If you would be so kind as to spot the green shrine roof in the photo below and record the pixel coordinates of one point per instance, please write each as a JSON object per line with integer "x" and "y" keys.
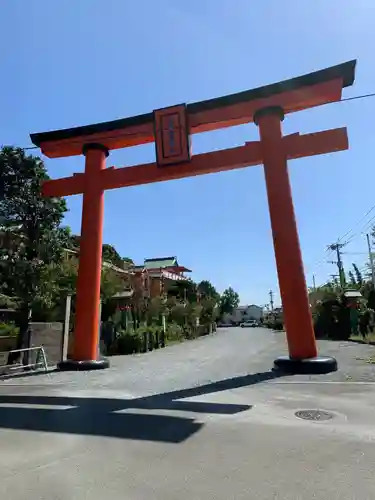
{"x": 159, "y": 262}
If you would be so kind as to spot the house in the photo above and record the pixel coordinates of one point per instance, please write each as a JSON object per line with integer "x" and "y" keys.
{"x": 244, "y": 313}
{"x": 126, "y": 275}
{"x": 157, "y": 275}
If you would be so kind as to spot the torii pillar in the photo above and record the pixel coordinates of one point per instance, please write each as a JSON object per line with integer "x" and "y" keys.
{"x": 292, "y": 284}
{"x": 90, "y": 260}
{"x": 170, "y": 129}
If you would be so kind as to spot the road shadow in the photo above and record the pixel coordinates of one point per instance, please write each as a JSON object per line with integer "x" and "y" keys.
{"x": 118, "y": 418}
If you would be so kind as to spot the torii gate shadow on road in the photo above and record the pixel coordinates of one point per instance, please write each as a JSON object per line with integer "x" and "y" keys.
{"x": 170, "y": 129}
{"x": 121, "y": 418}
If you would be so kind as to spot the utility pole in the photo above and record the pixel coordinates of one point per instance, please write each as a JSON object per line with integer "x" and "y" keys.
{"x": 271, "y": 299}
{"x": 337, "y": 248}
{"x": 371, "y": 260}
{"x": 314, "y": 284}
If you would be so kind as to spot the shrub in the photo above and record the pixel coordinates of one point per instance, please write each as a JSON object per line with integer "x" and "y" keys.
{"x": 203, "y": 330}
{"x": 149, "y": 337}
{"x": 144, "y": 338}
{"x": 174, "y": 332}
{"x": 8, "y": 330}
{"x": 127, "y": 342}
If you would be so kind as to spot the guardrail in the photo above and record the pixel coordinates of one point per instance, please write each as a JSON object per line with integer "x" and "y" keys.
{"x": 41, "y": 359}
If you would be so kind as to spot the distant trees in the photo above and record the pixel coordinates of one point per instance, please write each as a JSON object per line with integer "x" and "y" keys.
{"x": 110, "y": 254}
{"x": 355, "y": 277}
{"x": 229, "y": 301}
{"x": 185, "y": 290}
{"x": 206, "y": 289}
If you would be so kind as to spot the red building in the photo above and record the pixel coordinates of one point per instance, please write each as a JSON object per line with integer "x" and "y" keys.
{"x": 157, "y": 275}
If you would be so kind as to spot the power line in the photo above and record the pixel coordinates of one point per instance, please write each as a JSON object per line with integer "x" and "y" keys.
{"x": 354, "y": 253}
{"x": 346, "y": 99}
{"x": 320, "y": 262}
{"x": 354, "y": 98}
{"x": 362, "y": 230}
{"x": 358, "y": 222}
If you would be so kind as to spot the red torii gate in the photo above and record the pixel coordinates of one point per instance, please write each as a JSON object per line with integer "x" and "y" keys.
{"x": 170, "y": 129}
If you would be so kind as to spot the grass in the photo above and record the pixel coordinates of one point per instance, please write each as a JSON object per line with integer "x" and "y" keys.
{"x": 369, "y": 361}
{"x": 369, "y": 339}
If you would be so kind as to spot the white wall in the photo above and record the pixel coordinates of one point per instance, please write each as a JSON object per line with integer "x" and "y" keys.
{"x": 244, "y": 313}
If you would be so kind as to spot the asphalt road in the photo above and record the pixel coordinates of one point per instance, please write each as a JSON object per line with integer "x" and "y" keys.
{"x": 206, "y": 419}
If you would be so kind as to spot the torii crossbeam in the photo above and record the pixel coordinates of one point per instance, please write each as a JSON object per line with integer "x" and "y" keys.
{"x": 170, "y": 129}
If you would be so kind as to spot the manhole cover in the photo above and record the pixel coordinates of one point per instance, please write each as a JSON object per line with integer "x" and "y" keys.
{"x": 316, "y": 415}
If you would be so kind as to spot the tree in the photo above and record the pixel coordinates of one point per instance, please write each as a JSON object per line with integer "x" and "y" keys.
{"x": 209, "y": 311}
{"x": 207, "y": 290}
{"x": 356, "y": 279}
{"x": 7, "y": 302}
{"x": 352, "y": 280}
{"x": 110, "y": 254}
{"x": 33, "y": 222}
{"x": 185, "y": 290}
{"x": 179, "y": 313}
{"x": 157, "y": 307}
{"x": 358, "y": 275}
{"x": 127, "y": 262}
{"x": 74, "y": 242}
{"x": 229, "y": 301}
{"x": 111, "y": 283}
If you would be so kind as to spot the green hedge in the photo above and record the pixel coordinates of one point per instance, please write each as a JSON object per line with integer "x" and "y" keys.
{"x": 8, "y": 330}
{"x": 148, "y": 338}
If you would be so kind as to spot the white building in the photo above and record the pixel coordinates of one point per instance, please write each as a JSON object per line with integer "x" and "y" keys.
{"x": 244, "y": 313}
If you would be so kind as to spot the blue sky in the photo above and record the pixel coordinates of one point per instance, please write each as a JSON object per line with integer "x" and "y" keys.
{"x": 72, "y": 63}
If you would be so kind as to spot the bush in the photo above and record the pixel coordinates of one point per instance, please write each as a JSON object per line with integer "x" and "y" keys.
{"x": 147, "y": 338}
{"x": 151, "y": 336}
{"x": 174, "y": 332}
{"x": 8, "y": 330}
{"x": 142, "y": 339}
{"x": 127, "y": 343}
{"x": 278, "y": 325}
{"x": 203, "y": 330}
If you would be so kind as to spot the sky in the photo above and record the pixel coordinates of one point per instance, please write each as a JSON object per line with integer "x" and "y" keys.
{"x": 70, "y": 63}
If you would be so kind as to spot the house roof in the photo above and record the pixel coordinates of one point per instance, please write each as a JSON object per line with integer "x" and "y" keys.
{"x": 128, "y": 270}
{"x": 242, "y": 308}
{"x": 125, "y": 294}
{"x": 352, "y": 294}
{"x": 159, "y": 262}
{"x": 117, "y": 269}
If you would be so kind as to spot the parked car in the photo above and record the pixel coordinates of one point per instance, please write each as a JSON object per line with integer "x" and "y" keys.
{"x": 252, "y": 323}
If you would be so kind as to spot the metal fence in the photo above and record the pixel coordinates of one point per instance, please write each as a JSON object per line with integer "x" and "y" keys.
{"x": 37, "y": 360}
